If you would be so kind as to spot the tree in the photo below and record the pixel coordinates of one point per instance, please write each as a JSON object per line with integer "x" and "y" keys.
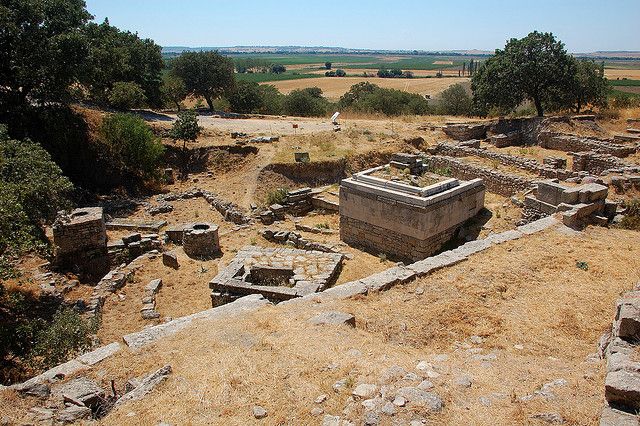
{"x": 589, "y": 86}
{"x": 116, "y": 56}
{"x": 278, "y": 69}
{"x": 126, "y": 95}
{"x": 455, "y": 101}
{"x": 186, "y": 128}
{"x": 246, "y": 97}
{"x": 205, "y": 74}
{"x": 133, "y": 142}
{"x": 340, "y": 73}
{"x": 41, "y": 50}
{"x": 173, "y": 90}
{"x": 272, "y": 100}
{"x": 327, "y": 65}
{"x": 536, "y": 67}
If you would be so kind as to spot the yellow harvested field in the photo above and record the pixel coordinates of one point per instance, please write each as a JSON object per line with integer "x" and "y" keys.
{"x": 621, "y": 73}
{"x": 334, "y": 87}
{"x": 443, "y": 63}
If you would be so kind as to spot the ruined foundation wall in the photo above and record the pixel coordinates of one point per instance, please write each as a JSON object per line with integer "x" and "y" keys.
{"x": 569, "y": 143}
{"x": 497, "y": 182}
{"x": 596, "y": 163}
{"x": 397, "y": 228}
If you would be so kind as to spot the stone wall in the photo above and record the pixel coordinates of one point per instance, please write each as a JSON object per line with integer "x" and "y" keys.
{"x": 571, "y": 143}
{"x": 465, "y": 131}
{"x": 230, "y": 211}
{"x": 80, "y": 242}
{"x": 527, "y": 164}
{"x": 504, "y": 184}
{"x": 598, "y": 163}
{"x": 383, "y": 219}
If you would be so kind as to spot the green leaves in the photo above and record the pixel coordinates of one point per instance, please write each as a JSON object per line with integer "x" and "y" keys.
{"x": 186, "y": 126}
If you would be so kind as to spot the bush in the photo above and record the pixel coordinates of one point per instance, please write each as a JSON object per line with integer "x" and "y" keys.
{"x": 277, "y": 196}
{"x": 632, "y": 219}
{"x": 455, "y": 101}
{"x": 65, "y": 337}
{"x": 367, "y": 97}
{"x": 306, "y": 103}
{"x": 133, "y": 142}
{"x": 340, "y": 73}
{"x": 126, "y": 95}
{"x": 272, "y": 100}
{"x": 32, "y": 190}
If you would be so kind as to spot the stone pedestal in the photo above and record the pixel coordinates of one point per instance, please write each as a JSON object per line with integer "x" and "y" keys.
{"x": 201, "y": 240}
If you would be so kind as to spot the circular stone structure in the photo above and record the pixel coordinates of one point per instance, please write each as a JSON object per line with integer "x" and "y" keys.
{"x": 201, "y": 240}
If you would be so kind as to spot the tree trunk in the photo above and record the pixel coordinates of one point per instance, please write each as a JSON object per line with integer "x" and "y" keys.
{"x": 538, "y": 105}
{"x": 209, "y": 102}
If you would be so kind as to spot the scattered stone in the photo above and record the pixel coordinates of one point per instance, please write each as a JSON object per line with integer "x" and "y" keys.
{"x": 364, "y": 391}
{"x": 553, "y": 418}
{"x": 419, "y": 291}
{"x": 170, "y": 259}
{"x": 39, "y": 390}
{"x": 329, "y": 420}
{"x": 463, "y": 381}
{"x": 321, "y": 398}
{"x": 399, "y": 401}
{"x": 339, "y": 385}
{"x": 334, "y": 318}
{"x": 389, "y": 409}
{"x": 392, "y": 373}
{"x": 418, "y": 397}
{"x": 83, "y": 390}
{"x": 425, "y": 385}
{"x": 259, "y": 412}
{"x": 316, "y": 411}
{"x": 485, "y": 401}
{"x": 146, "y": 385}
{"x": 371, "y": 418}
{"x": 518, "y": 347}
{"x": 476, "y": 340}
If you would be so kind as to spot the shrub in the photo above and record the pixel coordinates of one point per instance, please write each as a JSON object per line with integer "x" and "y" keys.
{"x": 126, "y": 95}
{"x": 272, "y": 100}
{"x": 455, "y": 101}
{"x": 65, "y": 337}
{"x": 32, "y": 190}
{"x": 278, "y": 69}
{"x": 340, "y": 73}
{"x": 306, "y": 103}
{"x": 632, "y": 219}
{"x": 277, "y": 196}
{"x": 368, "y": 97}
{"x": 186, "y": 127}
{"x": 133, "y": 142}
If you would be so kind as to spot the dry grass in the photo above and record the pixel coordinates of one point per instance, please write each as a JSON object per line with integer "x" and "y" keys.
{"x": 614, "y": 74}
{"x": 519, "y": 293}
{"x": 333, "y": 88}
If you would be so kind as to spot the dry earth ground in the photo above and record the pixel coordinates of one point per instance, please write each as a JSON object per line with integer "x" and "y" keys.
{"x": 535, "y": 310}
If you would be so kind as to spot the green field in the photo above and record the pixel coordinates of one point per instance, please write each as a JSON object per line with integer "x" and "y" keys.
{"x": 624, "y": 82}
{"x": 300, "y": 59}
{"x": 264, "y": 77}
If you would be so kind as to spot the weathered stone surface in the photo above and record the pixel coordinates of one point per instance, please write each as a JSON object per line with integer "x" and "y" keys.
{"x": 97, "y": 355}
{"x": 201, "y": 240}
{"x": 627, "y": 323}
{"x": 364, "y": 391}
{"x": 334, "y": 318}
{"x": 622, "y": 388}
{"x": 170, "y": 259}
{"x": 83, "y": 390}
{"x": 552, "y": 418}
{"x": 59, "y": 371}
{"x": 259, "y": 412}
{"x": 40, "y": 390}
{"x": 73, "y": 413}
{"x": 613, "y": 417}
{"x": 421, "y": 398}
{"x": 147, "y": 384}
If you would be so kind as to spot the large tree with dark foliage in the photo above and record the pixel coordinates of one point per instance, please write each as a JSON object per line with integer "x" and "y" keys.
{"x": 206, "y": 74}
{"x": 536, "y": 68}
{"x": 42, "y": 49}
{"x": 121, "y": 56}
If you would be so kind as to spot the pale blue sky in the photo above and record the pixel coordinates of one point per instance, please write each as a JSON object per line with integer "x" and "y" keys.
{"x": 583, "y": 25}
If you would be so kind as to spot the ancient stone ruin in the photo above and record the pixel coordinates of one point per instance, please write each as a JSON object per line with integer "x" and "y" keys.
{"x": 277, "y": 274}
{"x": 80, "y": 242}
{"x": 200, "y": 240}
{"x": 580, "y": 205}
{"x": 409, "y": 216}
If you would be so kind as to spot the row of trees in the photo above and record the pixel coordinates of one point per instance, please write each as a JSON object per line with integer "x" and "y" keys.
{"x": 394, "y": 73}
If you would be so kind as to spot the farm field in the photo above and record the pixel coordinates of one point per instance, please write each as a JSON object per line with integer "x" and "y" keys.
{"x": 334, "y": 87}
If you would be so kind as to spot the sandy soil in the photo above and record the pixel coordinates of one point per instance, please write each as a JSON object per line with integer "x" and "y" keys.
{"x": 333, "y": 88}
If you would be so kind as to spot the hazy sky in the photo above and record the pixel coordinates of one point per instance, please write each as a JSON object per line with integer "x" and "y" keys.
{"x": 583, "y": 25}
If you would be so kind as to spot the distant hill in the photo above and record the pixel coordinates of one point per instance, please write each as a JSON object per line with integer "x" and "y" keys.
{"x": 172, "y": 50}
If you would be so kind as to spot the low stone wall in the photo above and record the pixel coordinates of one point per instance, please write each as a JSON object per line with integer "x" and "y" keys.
{"x": 619, "y": 346}
{"x": 571, "y": 143}
{"x": 295, "y": 240}
{"x": 597, "y": 163}
{"x": 230, "y": 211}
{"x": 504, "y": 184}
{"x": 529, "y": 165}
{"x": 465, "y": 131}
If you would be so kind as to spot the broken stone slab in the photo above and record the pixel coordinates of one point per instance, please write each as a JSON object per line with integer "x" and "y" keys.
{"x": 627, "y": 322}
{"x": 84, "y": 390}
{"x": 432, "y": 264}
{"x": 97, "y": 355}
{"x": 538, "y": 225}
{"x": 421, "y": 398}
{"x": 622, "y": 388}
{"x": 73, "y": 413}
{"x": 364, "y": 391}
{"x": 154, "y": 286}
{"x": 146, "y": 385}
{"x": 170, "y": 259}
{"x": 149, "y": 335}
{"x": 552, "y": 418}
{"x": 622, "y": 361}
{"x": 57, "y": 372}
{"x": 387, "y": 279}
{"x": 613, "y": 417}
{"x": 334, "y": 318}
